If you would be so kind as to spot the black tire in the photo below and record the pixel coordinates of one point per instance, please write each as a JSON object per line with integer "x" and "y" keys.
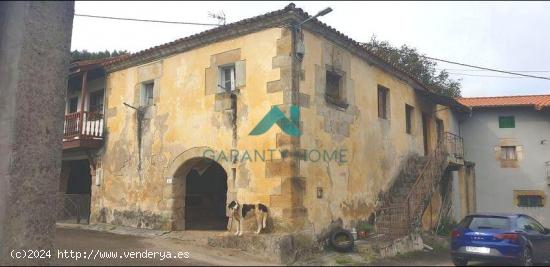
{"x": 526, "y": 257}
{"x": 460, "y": 262}
{"x": 341, "y": 240}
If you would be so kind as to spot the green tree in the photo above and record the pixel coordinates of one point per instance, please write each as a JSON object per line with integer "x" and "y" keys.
{"x": 77, "y": 55}
{"x": 416, "y": 64}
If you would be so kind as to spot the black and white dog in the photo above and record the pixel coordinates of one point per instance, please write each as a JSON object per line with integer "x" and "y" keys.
{"x": 239, "y": 213}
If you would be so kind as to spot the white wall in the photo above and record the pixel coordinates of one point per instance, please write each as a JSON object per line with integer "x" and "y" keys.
{"x": 495, "y": 185}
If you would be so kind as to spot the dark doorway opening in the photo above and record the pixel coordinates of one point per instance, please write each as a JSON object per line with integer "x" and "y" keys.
{"x": 205, "y": 197}
{"x": 76, "y": 188}
{"x": 80, "y": 180}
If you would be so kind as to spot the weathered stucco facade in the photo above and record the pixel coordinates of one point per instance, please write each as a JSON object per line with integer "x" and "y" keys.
{"x": 188, "y": 118}
{"x": 140, "y": 173}
{"x": 376, "y": 147}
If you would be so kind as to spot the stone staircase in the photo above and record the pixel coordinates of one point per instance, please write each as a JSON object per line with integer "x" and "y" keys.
{"x": 400, "y": 208}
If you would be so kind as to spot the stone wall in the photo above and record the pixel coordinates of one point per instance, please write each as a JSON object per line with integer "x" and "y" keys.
{"x": 34, "y": 58}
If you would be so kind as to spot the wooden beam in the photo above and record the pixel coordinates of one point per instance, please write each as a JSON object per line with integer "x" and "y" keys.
{"x": 83, "y": 92}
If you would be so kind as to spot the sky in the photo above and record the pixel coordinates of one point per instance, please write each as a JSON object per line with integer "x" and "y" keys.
{"x": 512, "y": 36}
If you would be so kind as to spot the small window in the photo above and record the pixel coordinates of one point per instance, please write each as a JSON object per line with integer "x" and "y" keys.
{"x": 333, "y": 85}
{"x": 506, "y": 122}
{"x": 227, "y": 77}
{"x": 531, "y": 201}
{"x": 488, "y": 222}
{"x": 147, "y": 94}
{"x": 440, "y": 128}
{"x": 409, "y": 111}
{"x": 383, "y": 102}
{"x": 72, "y": 105}
{"x": 508, "y": 153}
{"x": 96, "y": 101}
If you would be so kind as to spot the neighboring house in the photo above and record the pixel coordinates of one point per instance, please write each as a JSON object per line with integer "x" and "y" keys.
{"x": 179, "y": 116}
{"x": 509, "y": 139}
{"x": 83, "y": 136}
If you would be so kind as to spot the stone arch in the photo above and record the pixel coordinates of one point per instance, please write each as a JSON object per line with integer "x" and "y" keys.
{"x": 177, "y": 173}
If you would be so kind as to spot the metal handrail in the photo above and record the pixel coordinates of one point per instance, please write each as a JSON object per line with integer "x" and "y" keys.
{"x": 400, "y": 217}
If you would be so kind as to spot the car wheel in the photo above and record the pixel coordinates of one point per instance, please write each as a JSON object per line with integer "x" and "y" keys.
{"x": 526, "y": 257}
{"x": 342, "y": 240}
{"x": 460, "y": 262}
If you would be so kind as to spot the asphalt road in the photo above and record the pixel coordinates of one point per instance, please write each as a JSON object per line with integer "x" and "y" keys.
{"x": 427, "y": 258}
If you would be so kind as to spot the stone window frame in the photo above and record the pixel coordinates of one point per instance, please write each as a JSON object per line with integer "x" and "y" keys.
{"x": 509, "y": 142}
{"x": 529, "y": 193}
{"x": 341, "y": 101}
{"x": 220, "y": 60}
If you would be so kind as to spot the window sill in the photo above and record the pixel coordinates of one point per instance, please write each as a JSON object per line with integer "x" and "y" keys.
{"x": 338, "y": 103}
{"x": 236, "y": 91}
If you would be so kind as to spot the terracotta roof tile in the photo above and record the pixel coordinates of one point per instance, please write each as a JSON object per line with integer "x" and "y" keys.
{"x": 99, "y": 61}
{"x": 537, "y": 101}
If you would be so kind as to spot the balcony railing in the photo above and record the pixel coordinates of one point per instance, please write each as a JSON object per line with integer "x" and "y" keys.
{"x": 85, "y": 125}
{"x": 455, "y": 147}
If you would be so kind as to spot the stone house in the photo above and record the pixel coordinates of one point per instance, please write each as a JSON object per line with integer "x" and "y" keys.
{"x": 509, "y": 138}
{"x": 178, "y": 138}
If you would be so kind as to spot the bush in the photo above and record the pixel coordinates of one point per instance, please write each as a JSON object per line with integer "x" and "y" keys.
{"x": 446, "y": 225}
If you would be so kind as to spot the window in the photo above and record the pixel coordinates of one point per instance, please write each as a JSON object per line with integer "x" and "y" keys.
{"x": 96, "y": 101}
{"x": 506, "y": 122}
{"x": 487, "y": 222}
{"x": 529, "y": 224}
{"x": 147, "y": 93}
{"x": 530, "y": 201}
{"x": 508, "y": 153}
{"x": 72, "y": 105}
{"x": 383, "y": 102}
{"x": 408, "y": 118}
{"x": 227, "y": 77}
{"x": 333, "y": 84}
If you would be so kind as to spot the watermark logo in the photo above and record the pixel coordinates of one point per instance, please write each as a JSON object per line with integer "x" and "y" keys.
{"x": 276, "y": 116}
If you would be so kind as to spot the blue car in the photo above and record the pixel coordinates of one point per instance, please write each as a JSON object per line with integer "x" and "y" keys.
{"x": 509, "y": 238}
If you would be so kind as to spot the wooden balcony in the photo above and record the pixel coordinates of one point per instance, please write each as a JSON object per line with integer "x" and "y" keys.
{"x": 83, "y": 130}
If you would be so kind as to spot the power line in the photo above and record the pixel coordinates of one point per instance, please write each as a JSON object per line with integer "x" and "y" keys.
{"x": 148, "y": 20}
{"x": 535, "y": 71}
{"x": 484, "y": 68}
{"x": 490, "y": 76}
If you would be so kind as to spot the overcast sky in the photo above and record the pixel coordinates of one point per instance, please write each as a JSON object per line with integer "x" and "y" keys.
{"x": 512, "y": 36}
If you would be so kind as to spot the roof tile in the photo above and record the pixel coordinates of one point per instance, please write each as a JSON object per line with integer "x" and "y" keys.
{"x": 537, "y": 101}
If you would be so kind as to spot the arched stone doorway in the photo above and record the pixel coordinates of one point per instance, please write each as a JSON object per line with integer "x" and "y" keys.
{"x": 200, "y": 195}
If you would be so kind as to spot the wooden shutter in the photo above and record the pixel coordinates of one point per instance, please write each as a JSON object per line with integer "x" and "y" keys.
{"x": 240, "y": 74}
